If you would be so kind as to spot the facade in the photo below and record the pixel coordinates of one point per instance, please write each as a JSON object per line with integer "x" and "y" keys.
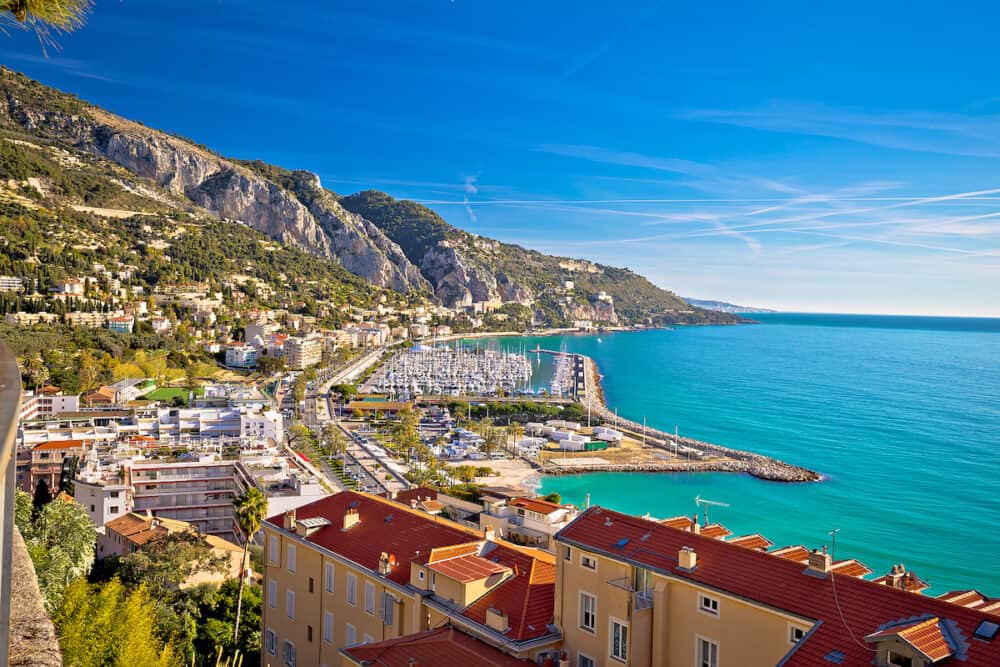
{"x": 529, "y": 521}
{"x": 123, "y": 324}
{"x": 47, "y": 462}
{"x": 642, "y": 593}
{"x": 11, "y": 284}
{"x": 104, "y": 500}
{"x": 241, "y": 356}
{"x": 200, "y": 493}
{"x": 355, "y": 569}
{"x": 302, "y": 353}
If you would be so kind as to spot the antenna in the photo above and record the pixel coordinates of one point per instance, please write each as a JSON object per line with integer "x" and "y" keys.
{"x": 833, "y": 543}
{"x": 703, "y": 503}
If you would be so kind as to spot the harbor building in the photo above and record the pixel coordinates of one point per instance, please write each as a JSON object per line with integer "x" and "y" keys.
{"x": 643, "y": 593}
{"x": 355, "y": 569}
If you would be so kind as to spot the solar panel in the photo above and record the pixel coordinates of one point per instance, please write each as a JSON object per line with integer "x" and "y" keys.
{"x": 836, "y": 657}
{"x": 986, "y": 631}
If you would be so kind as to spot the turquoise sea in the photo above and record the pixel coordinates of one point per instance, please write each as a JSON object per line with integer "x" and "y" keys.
{"x": 900, "y": 414}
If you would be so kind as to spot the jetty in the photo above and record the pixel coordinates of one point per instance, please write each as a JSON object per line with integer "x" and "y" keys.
{"x": 703, "y": 456}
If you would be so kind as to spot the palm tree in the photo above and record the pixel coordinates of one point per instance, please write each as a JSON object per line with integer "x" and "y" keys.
{"x": 44, "y": 16}
{"x": 251, "y": 509}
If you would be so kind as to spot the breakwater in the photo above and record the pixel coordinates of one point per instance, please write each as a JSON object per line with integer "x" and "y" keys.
{"x": 728, "y": 459}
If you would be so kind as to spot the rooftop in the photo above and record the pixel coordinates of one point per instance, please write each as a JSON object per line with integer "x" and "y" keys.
{"x": 781, "y": 583}
{"x": 536, "y": 505}
{"x": 442, "y": 647}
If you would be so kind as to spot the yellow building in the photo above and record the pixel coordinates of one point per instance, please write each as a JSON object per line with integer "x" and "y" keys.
{"x": 353, "y": 569}
{"x": 643, "y": 593}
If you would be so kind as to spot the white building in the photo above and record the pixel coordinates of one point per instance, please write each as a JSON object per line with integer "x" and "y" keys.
{"x": 302, "y": 353}
{"x": 241, "y": 356}
{"x": 102, "y": 500}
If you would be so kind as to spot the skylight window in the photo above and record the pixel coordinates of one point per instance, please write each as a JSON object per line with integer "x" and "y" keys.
{"x": 986, "y": 631}
{"x": 620, "y": 544}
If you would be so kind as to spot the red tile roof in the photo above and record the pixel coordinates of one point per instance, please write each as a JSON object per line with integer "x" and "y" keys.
{"x": 755, "y": 541}
{"x": 867, "y": 607}
{"x": 536, "y": 505}
{"x": 443, "y": 647}
{"x": 417, "y": 494}
{"x": 851, "y": 568}
{"x": 467, "y": 568}
{"x": 972, "y": 599}
{"x": 716, "y": 530}
{"x": 528, "y": 597}
{"x": 925, "y": 636}
{"x": 57, "y": 445}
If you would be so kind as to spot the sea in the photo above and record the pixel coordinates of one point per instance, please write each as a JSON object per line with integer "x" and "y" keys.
{"x": 901, "y": 416}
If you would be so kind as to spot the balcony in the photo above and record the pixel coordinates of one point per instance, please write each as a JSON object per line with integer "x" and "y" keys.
{"x": 26, "y": 633}
{"x": 638, "y": 600}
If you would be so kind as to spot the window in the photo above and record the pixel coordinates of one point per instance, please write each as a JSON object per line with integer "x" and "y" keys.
{"x": 328, "y": 578}
{"x": 588, "y": 612}
{"x": 352, "y": 589}
{"x": 92, "y": 508}
{"x": 290, "y": 604}
{"x": 327, "y": 627}
{"x": 588, "y": 562}
{"x": 388, "y": 609}
{"x": 619, "y": 640}
{"x": 291, "y": 558}
{"x": 350, "y": 635}
{"x": 585, "y": 660}
{"x": 271, "y": 642}
{"x": 309, "y": 633}
{"x": 310, "y": 584}
{"x": 369, "y": 598}
{"x": 708, "y": 653}
{"x": 114, "y": 509}
{"x": 897, "y": 660}
{"x": 708, "y": 605}
{"x": 795, "y": 634}
{"x": 272, "y": 594}
{"x": 273, "y": 543}
{"x": 288, "y": 654}
{"x": 568, "y": 555}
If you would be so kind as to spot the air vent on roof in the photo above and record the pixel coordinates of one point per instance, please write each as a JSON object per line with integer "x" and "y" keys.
{"x": 607, "y": 522}
{"x": 353, "y": 504}
{"x": 645, "y": 537}
{"x": 986, "y": 631}
{"x": 620, "y": 544}
{"x": 836, "y": 657}
{"x": 388, "y": 518}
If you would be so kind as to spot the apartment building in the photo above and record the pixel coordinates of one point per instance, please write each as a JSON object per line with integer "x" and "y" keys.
{"x": 241, "y": 356}
{"x": 47, "y": 463}
{"x": 641, "y": 593}
{"x": 103, "y": 498}
{"x": 355, "y": 569}
{"x": 302, "y": 353}
{"x": 529, "y": 521}
{"x": 199, "y": 492}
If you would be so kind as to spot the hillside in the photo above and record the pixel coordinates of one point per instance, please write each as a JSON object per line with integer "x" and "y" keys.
{"x": 396, "y": 245}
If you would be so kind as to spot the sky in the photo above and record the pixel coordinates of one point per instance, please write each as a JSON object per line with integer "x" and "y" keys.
{"x": 841, "y": 158}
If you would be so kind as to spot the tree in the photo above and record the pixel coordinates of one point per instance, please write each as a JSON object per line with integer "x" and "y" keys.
{"x": 553, "y": 497}
{"x": 88, "y": 371}
{"x": 42, "y": 496}
{"x": 165, "y": 564}
{"x": 60, "y": 540}
{"x": 251, "y": 510}
{"x": 105, "y": 625}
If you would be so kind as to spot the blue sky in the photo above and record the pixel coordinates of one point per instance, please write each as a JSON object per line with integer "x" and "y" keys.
{"x": 826, "y": 159}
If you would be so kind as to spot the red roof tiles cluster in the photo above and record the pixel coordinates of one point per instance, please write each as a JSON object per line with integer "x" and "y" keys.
{"x": 527, "y": 596}
{"x": 925, "y": 636}
{"x": 443, "y": 647}
{"x": 867, "y": 607}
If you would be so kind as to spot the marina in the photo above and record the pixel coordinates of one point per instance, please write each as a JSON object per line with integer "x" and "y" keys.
{"x": 453, "y": 372}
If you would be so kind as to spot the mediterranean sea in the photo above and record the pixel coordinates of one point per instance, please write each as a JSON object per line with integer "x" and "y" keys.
{"x": 900, "y": 414}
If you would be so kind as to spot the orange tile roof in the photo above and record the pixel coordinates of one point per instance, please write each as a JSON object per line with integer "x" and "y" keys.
{"x": 418, "y": 494}
{"x": 851, "y": 568}
{"x": 468, "y": 568}
{"x": 755, "y": 541}
{"x": 536, "y": 505}
{"x": 925, "y": 636}
{"x": 716, "y": 530}
{"x": 681, "y": 522}
{"x": 972, "y": 599}
{"x": 56, "y": 445}
{"x": 797, "y": 553}
{"x": 411, "y": 535}
{"x": 443, "y": 647}
{"x": 782, "y": 584}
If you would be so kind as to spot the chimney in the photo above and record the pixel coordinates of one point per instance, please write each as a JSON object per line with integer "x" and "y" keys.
{"x": 496, "y": 619}
{"x": 687, "y": 559}
{"x": 820, "y": 562}
{"x": 289, "y": 522}
{"x": 695, "y": 528}
{"x": 351, "y": 517}
{"x": 490, "y": 534}
{"x": 149, "y": 513}
{"x": 587, "y": 502}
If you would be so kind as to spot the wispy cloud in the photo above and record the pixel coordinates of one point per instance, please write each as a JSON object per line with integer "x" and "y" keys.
{"x": 924, "y": 131}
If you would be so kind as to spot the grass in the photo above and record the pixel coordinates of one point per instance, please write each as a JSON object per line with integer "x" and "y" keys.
{"x": 167, "y": 394}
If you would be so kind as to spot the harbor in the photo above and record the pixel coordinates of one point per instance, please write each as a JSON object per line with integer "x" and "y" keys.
{"x": 447, "y": 371}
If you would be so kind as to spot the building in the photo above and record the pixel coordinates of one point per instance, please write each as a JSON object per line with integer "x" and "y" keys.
{"x": 47, "y": 462}
{"x": 356, "y": 569}
{"x": 104, "y": 499}
{"x": 130, "y": 389}
{"x": 198, "y": 492}
{"x": 643, "y": 593}
{"x": 132, "y": 532}
{"x": 302, "y": 353}
{"x": 92, "y": 319}
{"x": 241, "y": 356}
{"x": 121, "y": 324}
{"x": 11, "y": 284}
{"x": 529, "y": 521}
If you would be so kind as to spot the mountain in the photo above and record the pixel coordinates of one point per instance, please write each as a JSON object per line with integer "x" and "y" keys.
{"x": 723, "y": 307}
{"x": 396, "y": 245}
